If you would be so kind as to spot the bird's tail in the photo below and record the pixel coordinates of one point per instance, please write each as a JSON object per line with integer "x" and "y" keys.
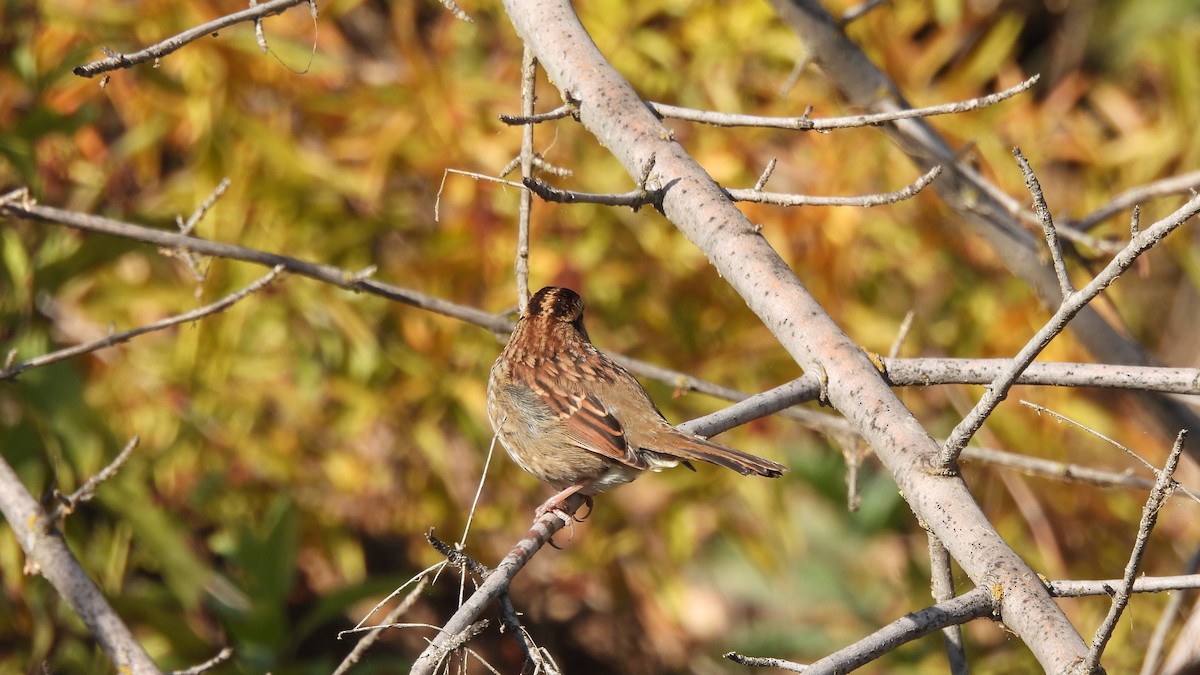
{"x": 687, "y": 446}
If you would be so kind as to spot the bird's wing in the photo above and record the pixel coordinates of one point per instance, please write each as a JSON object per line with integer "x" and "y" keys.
{"x": 589, "y": 422}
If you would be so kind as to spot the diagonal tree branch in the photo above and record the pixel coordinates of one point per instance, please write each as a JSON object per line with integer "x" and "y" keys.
{"x": 621, "y": 122}
{"x": 48, "y": 554}
{"x": 992, "y": 215}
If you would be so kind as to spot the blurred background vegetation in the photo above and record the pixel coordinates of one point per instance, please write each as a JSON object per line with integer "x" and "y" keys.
{"x": 296, "y": 448}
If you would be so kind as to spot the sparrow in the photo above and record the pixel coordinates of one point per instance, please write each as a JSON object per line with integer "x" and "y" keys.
{"x": 575, "y": 419}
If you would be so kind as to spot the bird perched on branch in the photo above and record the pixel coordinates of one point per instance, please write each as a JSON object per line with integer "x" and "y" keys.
{"x": 572, "y": 417}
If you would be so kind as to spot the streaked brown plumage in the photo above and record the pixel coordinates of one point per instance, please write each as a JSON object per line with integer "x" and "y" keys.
{"x": 572, "y": 417}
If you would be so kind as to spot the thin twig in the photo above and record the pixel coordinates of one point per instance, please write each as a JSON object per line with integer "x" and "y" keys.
{"x": 222, "y": 656}
{"x": 1158, "y": 640}
{"x": 865, "y": 201}
{"x": 415, "y": 579}
{"x": 805, "y": 123}
{"x": 67, "y": 504}
{"x": 942, "y": 585}
{"x": 189, "y": 226}
{"x": 766, "y": 175}
{"x": 117, "y": 338}
{"x": 972, "y": 605}
{"x": 1070, "y": 306}
{"x": 1126, "y": 449}
{"x": 1158, "y": 497}
{"x": 456, "y": 11}
{"x": 564, "y": 110}
{"x": 116, "y": 61}
{"x": 1047, "y": 221}
{"x": 638, "y": 198}
{"x": 377, "y": 631}
{"x": 859, "y": 11}
{"x": 353, "y": 281}
{"x": 525, "y": 203}
{"x": 901, "y": 334}
{"x": 1139, "y": 195}
{"x": 491, "y": 588}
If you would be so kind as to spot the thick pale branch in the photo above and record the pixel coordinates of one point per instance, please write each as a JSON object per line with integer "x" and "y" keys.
{"x": 611, "y": 110}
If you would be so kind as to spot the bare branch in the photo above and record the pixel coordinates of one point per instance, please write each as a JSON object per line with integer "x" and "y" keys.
{"x": 222, "y": 656}
{"x": 1141, "y": 194}
{"x": 1079, "y": 589}
{"x": 496, "y": 583}
{"x": 1158, "y": 498}
{"x": 116, "y": 61}
{"x": 525, "y": 205}
{"x": 922, "y": 372}
{"x": 805, "y": 123}
{"x": 865, "y": 201}
{"x": 49, "y": 555}
{"x": 639, "y": 198}
{"x": 1047, "y": 221}
{"x": 221, "y": 305}
{"x": 327, "y": 273}
{"x": 973, "y": 605}
{"x": 942, "y": 584}
{"x": 377, "y": 631}
{"x": 87, "y": 491}
{"x": 1071, "y": 306}
{"x": 967, "y": 607}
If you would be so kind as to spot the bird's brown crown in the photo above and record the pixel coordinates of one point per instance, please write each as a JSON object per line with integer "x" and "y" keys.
{"x": 557, "y": 304}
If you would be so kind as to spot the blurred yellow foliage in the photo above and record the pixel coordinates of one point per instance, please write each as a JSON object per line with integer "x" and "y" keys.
{"x": 296, "y": 448}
